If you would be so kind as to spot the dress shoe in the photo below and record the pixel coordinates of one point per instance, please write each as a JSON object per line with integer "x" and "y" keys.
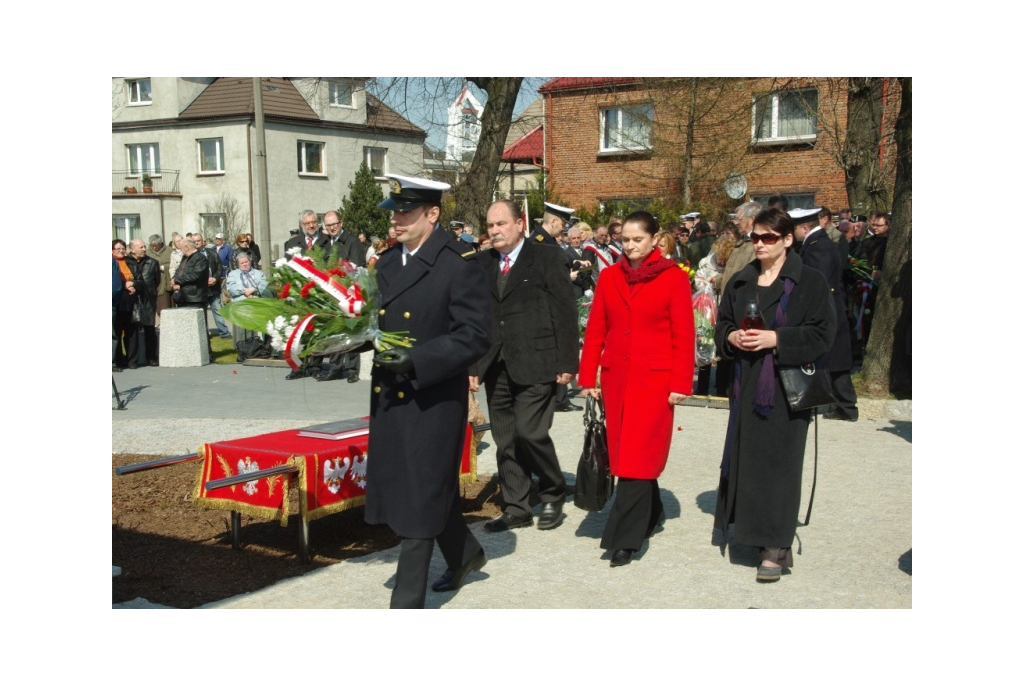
{"x": 621, "y": 557}
{"x": 153, "y": 362}
{"x": 768, "y": 574}
{"x": 569, "y": 406}
{"x": 837, "y": 416}
{"x": 550, "y": 515}
{"x": 294, "y": 375}
{"x": 116, "y": 368}
{"x": 133, "y": 365}
{"x": 452, "y": 580}
{"x": 507, "y": 522}
{"x": 353, "y": 379}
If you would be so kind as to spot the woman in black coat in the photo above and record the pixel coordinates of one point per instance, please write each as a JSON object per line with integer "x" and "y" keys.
{"x": 762, "y": 464}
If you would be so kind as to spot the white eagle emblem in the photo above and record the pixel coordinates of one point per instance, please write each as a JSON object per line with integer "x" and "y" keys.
{"x": 334, "y": 473}
{"x": 359, "y": 471}
{"x": 248, "y": 466}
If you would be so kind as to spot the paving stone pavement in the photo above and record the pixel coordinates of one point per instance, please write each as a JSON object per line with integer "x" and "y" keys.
{"x": 856, "y": 552}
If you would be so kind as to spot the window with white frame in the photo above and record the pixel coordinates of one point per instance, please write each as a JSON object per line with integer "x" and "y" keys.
{"x": 311, "y": 157}
{"x": 795, "y": 200}
{"x": 212, "y": 224}
{"x": 127, "y": 227}
{"x": 785, "y": 116}
{"x": 339, "y": 93}
{"x": 376, "y": 160}
{"x": 143, "y": 158}
{"x": 139, "y": 92}
{"x": 211, "y": 155}
{"x": 627, "y": 127}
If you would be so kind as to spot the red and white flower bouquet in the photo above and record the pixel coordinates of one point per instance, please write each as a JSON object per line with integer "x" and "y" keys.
{"x": 321, "y": 308}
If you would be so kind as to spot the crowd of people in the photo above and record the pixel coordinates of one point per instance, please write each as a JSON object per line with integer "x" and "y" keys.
{"x": 498, "y": 309}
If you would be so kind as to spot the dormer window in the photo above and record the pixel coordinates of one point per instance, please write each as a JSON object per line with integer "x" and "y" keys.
{"x": 339, "y": 94}
{"x": 139, "y": 92}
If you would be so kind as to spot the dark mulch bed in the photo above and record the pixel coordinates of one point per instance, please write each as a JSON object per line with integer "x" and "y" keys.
{"x": 173, "y": 553}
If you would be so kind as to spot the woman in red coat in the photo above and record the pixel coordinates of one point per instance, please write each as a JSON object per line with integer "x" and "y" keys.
{"x": 640, "y": 331}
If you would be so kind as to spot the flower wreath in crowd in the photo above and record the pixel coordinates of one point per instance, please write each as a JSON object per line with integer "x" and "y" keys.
{"x": 323, "y": 306}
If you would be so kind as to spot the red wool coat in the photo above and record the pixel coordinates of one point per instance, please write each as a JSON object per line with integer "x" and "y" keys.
{"x": 643, "y": 337}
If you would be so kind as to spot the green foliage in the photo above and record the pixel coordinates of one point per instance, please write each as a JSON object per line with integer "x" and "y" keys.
{"x": 540, "y": 192}
{"x": 359, "y": 208}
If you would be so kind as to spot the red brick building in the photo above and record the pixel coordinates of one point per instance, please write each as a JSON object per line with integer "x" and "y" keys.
{"x": 678, "y": 140}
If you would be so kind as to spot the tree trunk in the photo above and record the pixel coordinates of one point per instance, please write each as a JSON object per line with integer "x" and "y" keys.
{"x": 863, "y": 138}
{"x": 691, "y": 115}
{"x": 887, "y": 365}
{"x": 473, "y": 195}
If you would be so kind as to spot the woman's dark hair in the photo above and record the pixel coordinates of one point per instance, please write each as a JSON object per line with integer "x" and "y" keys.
{"x": 646, "y": 220}
{"x": 114, "y": 243}
{"x": 775, "y": 220}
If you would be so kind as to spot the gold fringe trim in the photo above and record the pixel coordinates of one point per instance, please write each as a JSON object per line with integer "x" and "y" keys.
{"x": 335, "y": 508}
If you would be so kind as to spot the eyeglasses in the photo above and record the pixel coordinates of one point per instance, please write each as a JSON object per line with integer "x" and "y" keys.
{"x": 879, "y": 225}
{"x": 766, "y": 238}
{"x": 332, "y": 225}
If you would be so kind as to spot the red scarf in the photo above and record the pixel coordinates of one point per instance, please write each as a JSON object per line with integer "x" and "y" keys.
{"x": 649, "y": 269}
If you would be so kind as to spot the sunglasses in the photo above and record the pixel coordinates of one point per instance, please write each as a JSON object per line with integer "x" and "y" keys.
{"x": 766, "y": 238}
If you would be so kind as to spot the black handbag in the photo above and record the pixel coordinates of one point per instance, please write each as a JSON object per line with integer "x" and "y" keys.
{"x": 594, "y": 480}
{"x": 807, "y": 386}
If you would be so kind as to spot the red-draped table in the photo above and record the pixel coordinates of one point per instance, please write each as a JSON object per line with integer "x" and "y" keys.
{"x": 331, "y": 476}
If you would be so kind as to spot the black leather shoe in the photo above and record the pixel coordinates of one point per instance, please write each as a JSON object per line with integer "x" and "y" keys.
{"x": 837, "y": 416}
{"x": 507, "y": 522}
{"x": 452, "y": 580}
{"x": 569, "y": 406}
{"x": 153, "y": 362}
{"x": 550, "y": 516}
{"x": 353, "y": 379}
{"x": 294, "y": 375}
{"x": 621, "y": 557}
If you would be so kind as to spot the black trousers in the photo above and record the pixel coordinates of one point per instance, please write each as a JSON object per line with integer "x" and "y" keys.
{"x": 521, "y": 418}
{"x": 126, "y": 330}
{"x": 844, "y": 395}
{"x": 457, "y": 545}
{"x": 636, "y": 512}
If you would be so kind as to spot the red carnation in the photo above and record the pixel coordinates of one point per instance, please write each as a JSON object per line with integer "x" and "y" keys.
{"x": 306, "y": 288}
{"x": 285, "y": 290}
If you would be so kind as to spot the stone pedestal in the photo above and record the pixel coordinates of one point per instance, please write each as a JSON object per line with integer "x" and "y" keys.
{"x": 183, "y": 340}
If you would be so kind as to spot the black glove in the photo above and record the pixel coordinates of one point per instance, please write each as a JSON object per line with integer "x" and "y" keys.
{"x": 397, "y": 360}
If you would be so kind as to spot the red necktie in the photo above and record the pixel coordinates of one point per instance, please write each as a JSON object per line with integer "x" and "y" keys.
{"x": 506, "y": 264}
{"x": 309, "y": 242}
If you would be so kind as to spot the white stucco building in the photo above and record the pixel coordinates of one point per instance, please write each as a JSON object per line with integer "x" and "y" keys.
{"x": 193, "y": 137}
{"x": 463, "y": 127}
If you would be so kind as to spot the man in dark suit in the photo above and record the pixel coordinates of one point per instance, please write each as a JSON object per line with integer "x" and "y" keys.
{"x": 419, "y": 402}
{"x": 819, "y": 252}
{"x": 310, "y": 232}
{"x": 534, "y": 347}
{"x": 337, "y": 245}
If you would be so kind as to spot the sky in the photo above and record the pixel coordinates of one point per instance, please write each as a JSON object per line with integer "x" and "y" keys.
{"x": 424, "y": 100}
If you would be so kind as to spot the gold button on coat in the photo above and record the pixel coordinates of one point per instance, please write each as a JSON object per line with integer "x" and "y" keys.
{"x": 406, "y": 315}
{"x": 376, "y": 388}
{"x": 381, "y": 312}
{"x": 401, "y": 395}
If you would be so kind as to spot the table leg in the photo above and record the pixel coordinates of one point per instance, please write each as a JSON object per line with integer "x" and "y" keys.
{"x": 304, "y": 554}
{"x": 236, "y": 528}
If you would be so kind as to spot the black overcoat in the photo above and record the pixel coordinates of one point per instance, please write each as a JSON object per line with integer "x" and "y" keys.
{"x": 761, "y": 492}
{"x": 418, "y": 420}
{"x": 535, "y": 323}
{"x": 820, "y": 253}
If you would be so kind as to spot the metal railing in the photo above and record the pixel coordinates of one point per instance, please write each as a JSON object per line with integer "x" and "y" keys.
{"x": 130, "y": 182}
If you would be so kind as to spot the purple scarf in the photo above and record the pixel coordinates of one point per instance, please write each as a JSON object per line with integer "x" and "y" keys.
{"x": 765, "y": 393}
